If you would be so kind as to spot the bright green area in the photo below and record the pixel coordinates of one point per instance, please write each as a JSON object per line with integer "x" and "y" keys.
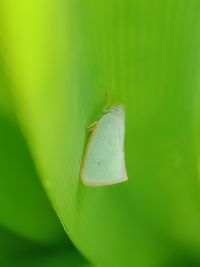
{"x": 68, "y": 59}
{"x": 30, "y": 232}
{"x": 24, "y": 207}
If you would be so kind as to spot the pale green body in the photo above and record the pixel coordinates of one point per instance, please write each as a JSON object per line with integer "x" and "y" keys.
{"x": 103, "y": 162}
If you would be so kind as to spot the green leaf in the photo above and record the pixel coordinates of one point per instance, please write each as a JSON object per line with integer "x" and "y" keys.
{"x": 24, "y": 207}
{"x": 17, "y": 251}
{"x": 71, "y": 58}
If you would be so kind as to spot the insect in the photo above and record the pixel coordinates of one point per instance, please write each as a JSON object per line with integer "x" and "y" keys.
{"x": 104, "y": 162}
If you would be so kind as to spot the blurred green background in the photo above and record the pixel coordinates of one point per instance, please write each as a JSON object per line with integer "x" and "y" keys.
{"x": 61, "y": 62}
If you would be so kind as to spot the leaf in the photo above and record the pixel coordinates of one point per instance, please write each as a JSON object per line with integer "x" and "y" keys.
{"x": 24, "y": 207}
{"x": 17, "y": 251}
{"x": 71, "y": 58}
